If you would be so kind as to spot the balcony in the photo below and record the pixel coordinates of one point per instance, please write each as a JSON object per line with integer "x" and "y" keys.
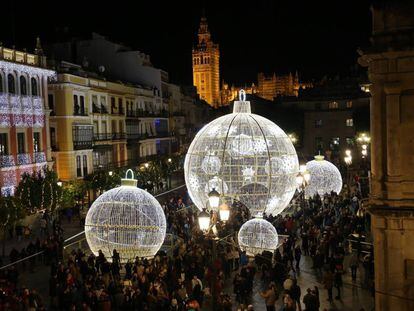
{"x": 120, "y": 111}
{"x": 21, "y": 111}
{"x": 6, "y": 161}
{"x": 39, "y": 157}
{"x": 102, "y": 136}
{"x": 118, "y": 136}
{"x": 102, "y": 109}
{"x": 108, "y": 136}
{"x": 82, "y": 144}
{"x": 24, "y": 159}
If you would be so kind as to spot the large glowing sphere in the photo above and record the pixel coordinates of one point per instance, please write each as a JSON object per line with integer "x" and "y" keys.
{"x": 257, "y": 235}
{"x": 127, "y": 219}
{"x": 246, "y": 158}
{"x": 324, "y": 177}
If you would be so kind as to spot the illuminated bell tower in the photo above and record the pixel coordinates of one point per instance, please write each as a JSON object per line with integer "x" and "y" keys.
{"x": 206, "y": 66}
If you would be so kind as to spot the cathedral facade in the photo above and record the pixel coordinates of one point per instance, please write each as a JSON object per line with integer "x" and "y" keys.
{"x": 206, "y": 75}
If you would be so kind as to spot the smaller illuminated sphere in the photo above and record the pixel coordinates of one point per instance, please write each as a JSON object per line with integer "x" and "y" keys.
{"x": 256, "y": 236}
{"x": 127, "y": 219}
{"x": 324, "y": 177}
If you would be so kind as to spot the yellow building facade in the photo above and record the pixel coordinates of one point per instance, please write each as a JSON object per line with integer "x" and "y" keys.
{"x": 97, "y": 124}
{"x": 206, "y": 66}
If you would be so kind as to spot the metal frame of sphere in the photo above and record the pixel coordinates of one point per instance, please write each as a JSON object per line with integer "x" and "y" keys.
{"x": 244, "y": 157}
{"x": 324, "y": 177}
{"x": 256, "y": 236}
{"x": 127, "y": 219}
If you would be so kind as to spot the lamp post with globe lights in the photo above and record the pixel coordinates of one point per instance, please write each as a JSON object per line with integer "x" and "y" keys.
{"x": 205, "y": 225}
{"x": 302, "y": 180}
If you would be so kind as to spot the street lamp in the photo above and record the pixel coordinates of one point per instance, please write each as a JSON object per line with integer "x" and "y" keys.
{"x": 204, "y": 220}
{"x": 293, "y": 138}
{"x": 214, "y": 199}
{"x": 110, "y": 173}
{"x": 302, "y": 180}
{"x": 348, "y": 157}
{"x": 59, "y": 183}
{"x": 146, "y": 165}
{"x": 224, "y": 212}
{"x": 169, "y": 160}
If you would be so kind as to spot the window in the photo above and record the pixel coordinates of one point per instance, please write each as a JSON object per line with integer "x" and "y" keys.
{"x": 318, "y": 106}
{"x": 318, "y": 123}
{"x": 21, "y": 144}
{"x": 112, "y": 104}
{"x": 120, "y": 107}
{"x": 53, "y": 138}
{"x": 51, "y": 101}
{"x": 1, "y": 83}
{"x": 11, "y": 84}
{"x": 36, "y": 142}
{"x": 78, "y": 166}
{"x": 333, "y": 105}
{"x": 349, "y": 104}
{"x": 75, "y": 105}
{"x": 23, "y": 85}
{"x": 34, "y": 87}
{"x": 350, "y": 122}
{"x": 4, "y": 147}
{"x": 82, "y": 105}
{"x": 82, "y": 136}
{"x": 85, "y": 165}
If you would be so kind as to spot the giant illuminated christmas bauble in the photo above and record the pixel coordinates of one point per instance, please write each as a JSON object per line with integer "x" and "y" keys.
{"x": 257, "y": 235}
{"x": 324, "y": 177}
{"x": 127, "y": 219}
{"x": 244, "y": 157}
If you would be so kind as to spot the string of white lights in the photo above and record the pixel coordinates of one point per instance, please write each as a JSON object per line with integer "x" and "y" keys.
{"x": 29, "y": 70}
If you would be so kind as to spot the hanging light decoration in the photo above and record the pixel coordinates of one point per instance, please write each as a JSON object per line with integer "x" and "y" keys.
{"x": 246, "y": 158}
{"x": 127, "y": 219}
{"x": 256, "y": 236}
{"x": 324, "y": 177}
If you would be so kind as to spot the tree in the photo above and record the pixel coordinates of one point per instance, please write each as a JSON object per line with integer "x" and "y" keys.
{"x": 39, "y": 190}
{"x": 11, "y": 211}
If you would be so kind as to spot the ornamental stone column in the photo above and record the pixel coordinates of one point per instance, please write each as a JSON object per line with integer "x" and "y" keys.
{"x": 390, "y": 62}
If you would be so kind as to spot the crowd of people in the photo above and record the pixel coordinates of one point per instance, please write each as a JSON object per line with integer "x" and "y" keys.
{"x": 188, "y": 276}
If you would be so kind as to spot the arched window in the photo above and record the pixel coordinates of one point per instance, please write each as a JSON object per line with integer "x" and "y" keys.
{"x": 1, "y": 83}
{"x": 23, "y": 85}
{"x": 34, "y": 87}
{"x": 11, "y": 84}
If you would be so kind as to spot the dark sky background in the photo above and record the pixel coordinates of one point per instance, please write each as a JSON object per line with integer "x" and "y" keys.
{"x": 313, "y": 37}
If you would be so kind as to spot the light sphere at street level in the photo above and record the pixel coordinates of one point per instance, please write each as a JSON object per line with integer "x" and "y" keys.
{"x": 324, "y": 177}
{"x": 127, "y": 219}
{"x": 246, "y": 158}
{"x": 257, "y": 235}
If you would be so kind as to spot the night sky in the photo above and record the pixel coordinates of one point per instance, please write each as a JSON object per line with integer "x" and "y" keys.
{"x": 313, "y": 37}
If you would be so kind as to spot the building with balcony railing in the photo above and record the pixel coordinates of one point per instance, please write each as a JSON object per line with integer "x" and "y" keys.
{"x": 98, "y": 123}
{"x": 24, "y": 115}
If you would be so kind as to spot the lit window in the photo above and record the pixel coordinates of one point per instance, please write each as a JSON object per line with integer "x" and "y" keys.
{"x": 85, "y": 165}
{"x": 21, "y": 143}
{"x": 349, "y": 141}
{"x": 333, "y": 105}
{"x": 78, "y": 166}
{"x": 34, "y": 87}
{"x": 36, "y": 142}
{"x": 349, "y": 122}
{"x": 349, "y": 104}
{"x": 4, "y": 150}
